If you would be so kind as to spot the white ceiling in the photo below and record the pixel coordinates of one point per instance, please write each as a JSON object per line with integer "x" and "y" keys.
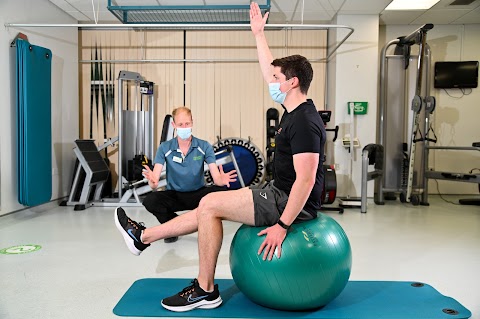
{"x": 295, "y": 11}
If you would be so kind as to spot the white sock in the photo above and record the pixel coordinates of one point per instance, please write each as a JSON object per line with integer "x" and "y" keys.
{"x": 209, "y": 291}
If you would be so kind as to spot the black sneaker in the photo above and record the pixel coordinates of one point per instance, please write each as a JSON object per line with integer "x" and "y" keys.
{"x": 193, "y": 297}
{"x": 170, "y": 240}
{"x": 131, "y": 231}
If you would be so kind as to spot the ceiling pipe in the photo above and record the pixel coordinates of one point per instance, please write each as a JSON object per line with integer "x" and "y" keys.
{"x": 191, "y": 27}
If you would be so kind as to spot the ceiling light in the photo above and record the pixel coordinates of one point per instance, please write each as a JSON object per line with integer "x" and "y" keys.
{"x": 411, "y": 4}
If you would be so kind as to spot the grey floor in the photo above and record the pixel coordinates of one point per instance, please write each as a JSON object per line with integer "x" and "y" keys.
{"x": 84, "y": 268}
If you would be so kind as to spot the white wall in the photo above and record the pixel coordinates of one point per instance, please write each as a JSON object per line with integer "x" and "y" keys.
{"x": 352, "y": 76}
{"x": 65, "y": 120}
{"x": 456, "y": 120}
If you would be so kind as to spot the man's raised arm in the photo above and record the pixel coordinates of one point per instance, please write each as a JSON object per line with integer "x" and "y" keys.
{"x": 265, "y": 58}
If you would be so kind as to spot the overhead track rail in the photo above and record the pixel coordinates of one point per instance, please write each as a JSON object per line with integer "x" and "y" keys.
{"x": 190, "y": 26}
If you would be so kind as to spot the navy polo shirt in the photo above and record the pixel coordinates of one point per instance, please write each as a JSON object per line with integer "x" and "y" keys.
{"x": 185, "y": 174}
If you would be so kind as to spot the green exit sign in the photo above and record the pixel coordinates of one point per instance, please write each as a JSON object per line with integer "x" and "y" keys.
{"x": 359, "y": 108}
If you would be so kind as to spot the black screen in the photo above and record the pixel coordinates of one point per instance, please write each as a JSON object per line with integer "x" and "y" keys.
{"x": 463, "y": 74}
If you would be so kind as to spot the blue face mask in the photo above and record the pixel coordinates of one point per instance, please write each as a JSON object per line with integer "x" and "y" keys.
{"x": 277, "y": 95}
{"x": 184, "y": 132}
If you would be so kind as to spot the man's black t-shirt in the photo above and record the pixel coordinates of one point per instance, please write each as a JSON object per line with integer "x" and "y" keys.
{"x": 300, "y": 131}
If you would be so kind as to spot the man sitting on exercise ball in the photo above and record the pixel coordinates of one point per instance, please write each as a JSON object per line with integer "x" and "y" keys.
{"x": 293, "y": 196}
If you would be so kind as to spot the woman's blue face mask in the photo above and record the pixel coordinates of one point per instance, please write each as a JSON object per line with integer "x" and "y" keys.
{"x": 275, "y": 93}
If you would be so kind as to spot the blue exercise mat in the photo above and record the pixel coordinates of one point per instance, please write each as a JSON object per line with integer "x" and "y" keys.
{"x": 34, "y": 136}
{"x": 359, "y": 299}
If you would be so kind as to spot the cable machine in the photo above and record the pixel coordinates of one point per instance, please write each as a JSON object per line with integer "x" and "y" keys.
{"x": 135, "y": 142}
{"x": 399, "y": 86}
{"x": 136, "y": 124}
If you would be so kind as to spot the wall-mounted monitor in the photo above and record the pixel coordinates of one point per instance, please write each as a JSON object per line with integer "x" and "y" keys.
{"x": 460, "y": 74}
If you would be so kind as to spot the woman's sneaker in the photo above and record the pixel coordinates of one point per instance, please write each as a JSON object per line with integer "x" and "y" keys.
{"x": 131, "y": 231}
{"x": 193, "y": 297}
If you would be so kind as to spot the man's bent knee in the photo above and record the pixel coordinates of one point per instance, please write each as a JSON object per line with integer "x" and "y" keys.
{"x": 208, "y": 203}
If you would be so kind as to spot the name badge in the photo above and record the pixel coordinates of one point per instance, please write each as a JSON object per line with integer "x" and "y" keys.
{"x": 177, "y": 159}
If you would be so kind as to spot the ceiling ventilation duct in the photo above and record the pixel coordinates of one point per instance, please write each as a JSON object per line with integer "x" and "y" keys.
{"x": 208, "y": 14}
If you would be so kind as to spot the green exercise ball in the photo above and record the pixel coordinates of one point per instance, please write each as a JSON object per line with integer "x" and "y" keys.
{"x": 314, "y": 267}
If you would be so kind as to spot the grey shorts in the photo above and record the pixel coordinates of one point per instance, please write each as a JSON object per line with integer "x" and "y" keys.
{"x": 269, "y": 203}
